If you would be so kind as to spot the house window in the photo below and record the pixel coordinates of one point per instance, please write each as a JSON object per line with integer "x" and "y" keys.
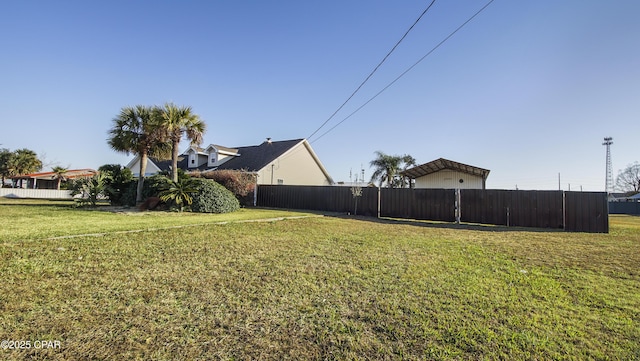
{"x": 280, "y": 181}
{"x": 193, "y": 160}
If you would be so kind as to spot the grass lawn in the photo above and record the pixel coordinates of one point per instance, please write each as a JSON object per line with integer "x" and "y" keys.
{"x": 311, "y": 288}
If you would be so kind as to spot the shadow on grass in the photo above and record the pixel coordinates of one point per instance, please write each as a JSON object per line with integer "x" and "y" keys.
{"x": 35, "y": 202}
{"x": 446, "y": 225}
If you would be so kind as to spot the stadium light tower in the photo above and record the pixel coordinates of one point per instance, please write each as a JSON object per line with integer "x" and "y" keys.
{"x": 609, "y": 182}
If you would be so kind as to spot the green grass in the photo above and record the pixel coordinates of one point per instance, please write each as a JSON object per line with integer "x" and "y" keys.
{"x": 43, "y": 219}
{"x": 318, "y": 288}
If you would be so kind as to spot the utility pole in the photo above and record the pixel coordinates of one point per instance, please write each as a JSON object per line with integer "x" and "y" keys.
{"x": 559, "y": 187}
{"x": 609, "y": 181}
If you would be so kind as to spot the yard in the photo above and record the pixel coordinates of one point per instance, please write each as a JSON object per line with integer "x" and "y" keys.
{"x": 158, "y": 286}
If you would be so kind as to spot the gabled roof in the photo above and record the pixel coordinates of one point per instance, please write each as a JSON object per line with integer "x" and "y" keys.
{"x": 255, "y": 157}
{"x": 195, "y": 149}
{"x": 249, "y": 158}
{"x": 223, "y": 149}
{"x": 441, "y": 164}
{"x": 165, "y": 164}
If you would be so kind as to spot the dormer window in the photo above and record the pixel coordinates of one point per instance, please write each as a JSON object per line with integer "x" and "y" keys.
{"x": 218, "y": 154}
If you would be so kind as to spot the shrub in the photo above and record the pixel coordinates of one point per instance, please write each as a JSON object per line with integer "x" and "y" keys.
{"x": 240, "y": 183}
{"x": 116, "y": 180}
{"x": 213, "y": 198}
{"x": 90, "y": 190}
{"x": 152, "y": 187}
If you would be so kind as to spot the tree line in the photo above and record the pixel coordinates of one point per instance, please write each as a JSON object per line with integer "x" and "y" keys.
{"x": 18, "y": 162}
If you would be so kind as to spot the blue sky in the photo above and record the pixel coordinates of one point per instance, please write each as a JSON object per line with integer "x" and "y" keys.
{"x": 528, "y": 89}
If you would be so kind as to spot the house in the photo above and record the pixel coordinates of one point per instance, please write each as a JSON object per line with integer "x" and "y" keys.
{"x": 447, "y": 174}
{"x": 624, "y": 197}
{"x": 291, "y": 162}
{"x": 48, "y": 180}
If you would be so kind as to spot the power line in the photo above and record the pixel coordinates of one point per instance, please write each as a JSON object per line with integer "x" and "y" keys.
{"x": 406, "y": 71}
{"x": 374, "y": 70}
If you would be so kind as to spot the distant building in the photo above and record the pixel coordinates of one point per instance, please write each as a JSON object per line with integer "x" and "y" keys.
{"x": 447, "y": 174}
{"x": 48, "y": 180}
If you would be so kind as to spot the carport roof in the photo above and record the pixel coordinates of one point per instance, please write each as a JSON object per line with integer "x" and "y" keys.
{"x": 441, "y": 164}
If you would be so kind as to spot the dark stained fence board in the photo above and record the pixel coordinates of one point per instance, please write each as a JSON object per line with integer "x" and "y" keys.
{"x": 587, "y": 212}
{"x": 423, "y": 204}
{"x": 540, "y": 209}
{"x": 624, "y": 208}
{"x": 573, "y": 211}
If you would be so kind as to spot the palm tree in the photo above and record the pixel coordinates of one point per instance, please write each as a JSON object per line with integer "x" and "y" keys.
{"x": 138, "y": 130}
{"x": 24, "y": 161}
{"x": 178, "y": 121}
{"x": 5, "y": 170}
{"x": 386, "y": 167}
{"x": 59, "y": 174}
{"x": 179, "y": 193}
{"x": 406, "y": 162}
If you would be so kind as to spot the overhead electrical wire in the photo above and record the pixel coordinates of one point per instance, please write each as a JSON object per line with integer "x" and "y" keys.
{"x": 374, "y": 70}
{"x": 405, "y": 72}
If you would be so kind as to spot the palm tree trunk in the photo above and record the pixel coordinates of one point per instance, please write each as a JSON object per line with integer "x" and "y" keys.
{"x": 143, "y": 170}
{"x": 174, "y": 160}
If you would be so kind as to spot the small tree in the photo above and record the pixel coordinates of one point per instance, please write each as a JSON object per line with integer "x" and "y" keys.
{"x": 90, "y": 189}
{"x": 356, "y": 190}
{"x": 60, "y": 175}
{"x": 628, "y": 180}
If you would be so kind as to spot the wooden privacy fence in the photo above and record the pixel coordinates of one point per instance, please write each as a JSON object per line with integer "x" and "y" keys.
{"x": 624, "y": 208}
{"x": 571, "y": 211}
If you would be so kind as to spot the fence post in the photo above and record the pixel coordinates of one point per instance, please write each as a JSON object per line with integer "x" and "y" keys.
{"x": 458, "y": 211}
{"x": 564, "y": 212}
{"x": 378, "y": 201}
{"x": 255, "y": 195}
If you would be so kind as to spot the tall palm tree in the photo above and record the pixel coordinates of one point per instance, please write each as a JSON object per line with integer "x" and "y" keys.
{"x": 24, "y": 161}
{"x": 386, "y": 167}
{"x": 179, "y": 121}
{"x": 139, "y": 130}
{"x": 59, "y": 174}
{"x": 406, "y": 162}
